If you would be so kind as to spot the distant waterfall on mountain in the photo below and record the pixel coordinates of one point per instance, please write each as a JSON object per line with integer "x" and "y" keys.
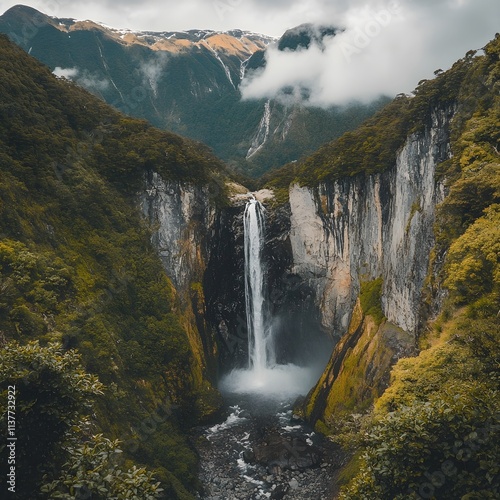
{"x": 260, "y": 336}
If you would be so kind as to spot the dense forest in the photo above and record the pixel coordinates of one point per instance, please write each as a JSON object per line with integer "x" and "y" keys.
{"x": 98, "y": 343}
{"x": 78, "y": 274}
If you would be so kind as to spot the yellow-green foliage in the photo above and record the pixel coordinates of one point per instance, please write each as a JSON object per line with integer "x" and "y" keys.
{"x": 351, "y": 390}
{"x": 473, "y": 261}
{"x": 77, "y": 265}
{"x": 416, "y": 207}
{"x": 356, "y": 374}
{"x": 363, "y": 376}
{"x": 370, "y": 298}
{"x": 317, "y": 395}
{"x": 350, "y": 470}
{"x": 436, "y": 428}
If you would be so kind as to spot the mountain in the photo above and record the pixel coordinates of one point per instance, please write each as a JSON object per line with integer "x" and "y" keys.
{"x": 186, "y": 82}
{"x": 122, "y": 259}
{"x": 78, "y": 271}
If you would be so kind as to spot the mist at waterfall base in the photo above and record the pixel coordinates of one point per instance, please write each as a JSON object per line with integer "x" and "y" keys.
{"x": 265, "y": 378}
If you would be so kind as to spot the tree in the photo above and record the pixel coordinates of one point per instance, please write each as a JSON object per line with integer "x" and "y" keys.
{"x": 52, "y": 397}
{"x": 92, "y": 471}
{"x": 52, "y": 391}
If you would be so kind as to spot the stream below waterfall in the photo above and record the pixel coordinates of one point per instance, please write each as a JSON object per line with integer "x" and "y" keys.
{"x": 261, "y": 452}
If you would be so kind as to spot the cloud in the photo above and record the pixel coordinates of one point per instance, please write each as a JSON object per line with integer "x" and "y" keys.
{"x": 92, "y": 81}
{"x": 422, "y": 36}
{"x": 383, "y": 51}
{"x": 153, "y": 69}
{"x": 69, "y": 73}
{"x": 85, "y": 78}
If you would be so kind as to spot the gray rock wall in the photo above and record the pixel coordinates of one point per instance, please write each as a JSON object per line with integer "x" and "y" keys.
{"x": 370, "y": 226}
{"x": 182, "y": 217}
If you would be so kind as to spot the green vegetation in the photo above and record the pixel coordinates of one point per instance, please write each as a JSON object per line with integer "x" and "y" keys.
{"x": 52, "y": 392}
{"x": 77, "y": 267}
{"x": 435, "y": 431}
{"x": 436, "y": 428}
{"x": 53, "y": 398}
{"x": 92, "y": 470}
{"x": 416, "y": 207}
{"x": 356, "y": 375}
{"x": 370, "y": 298}
{"x": 473, "y": 261}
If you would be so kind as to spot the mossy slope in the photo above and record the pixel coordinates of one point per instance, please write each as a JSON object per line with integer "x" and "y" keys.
{"x": 76, "y": 263}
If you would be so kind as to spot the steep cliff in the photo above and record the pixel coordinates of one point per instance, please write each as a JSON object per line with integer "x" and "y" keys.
{"x": 370, "y": 226}
{"x": 182, "y": 218}
{"x": 358, "y": 370}
{"x": 297, "y": 330}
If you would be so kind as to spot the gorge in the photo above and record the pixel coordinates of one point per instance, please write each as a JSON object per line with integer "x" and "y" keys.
{"x": 320, "y": 248}
{"x": 334, "y": 326}
{"x": 353, "y": 261}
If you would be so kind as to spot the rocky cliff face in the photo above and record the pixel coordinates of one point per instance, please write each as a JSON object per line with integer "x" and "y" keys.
{"x": 373, "y": 226}
{"x": 225, "y": 288}
{"x": 358, "y": 230}
{"x": 299, "y": 335}
{"x": 182, "y": 217}
{"x": 319, "y": 248}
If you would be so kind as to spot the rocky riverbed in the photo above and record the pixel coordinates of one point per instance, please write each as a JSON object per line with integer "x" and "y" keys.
{"x": 257, "y": 454}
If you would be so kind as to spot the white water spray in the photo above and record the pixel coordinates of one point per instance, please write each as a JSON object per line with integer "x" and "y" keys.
{"x": 260, "y": 335}
{"x": 263, "y": 375}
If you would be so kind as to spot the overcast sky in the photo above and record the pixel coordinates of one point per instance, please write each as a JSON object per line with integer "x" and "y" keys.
{"x": 387, "y": 46}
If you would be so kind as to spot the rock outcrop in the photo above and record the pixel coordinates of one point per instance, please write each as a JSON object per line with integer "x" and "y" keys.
{"x": 182, "y": 217}
{"x": 358, "y": 370}
{"x": 372, "y": 226}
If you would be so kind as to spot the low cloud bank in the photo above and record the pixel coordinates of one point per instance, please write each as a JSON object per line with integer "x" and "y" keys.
{"x": 382, "y": 50}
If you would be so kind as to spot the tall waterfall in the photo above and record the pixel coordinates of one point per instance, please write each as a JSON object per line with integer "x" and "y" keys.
{"x": 263, "y": 377}
{"x": 260, "y": 338}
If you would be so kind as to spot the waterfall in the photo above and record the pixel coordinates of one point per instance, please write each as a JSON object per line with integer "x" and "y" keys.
{"x": 263, "y": 377}
{"x": 260, "y": 338}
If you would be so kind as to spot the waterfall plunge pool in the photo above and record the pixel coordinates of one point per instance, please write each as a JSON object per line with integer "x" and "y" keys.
{"x": 280, "y": 382}
{"x": 260, "y": 451}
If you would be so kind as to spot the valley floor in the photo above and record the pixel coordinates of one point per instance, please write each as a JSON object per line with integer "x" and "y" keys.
{"x": 254, "y": 455}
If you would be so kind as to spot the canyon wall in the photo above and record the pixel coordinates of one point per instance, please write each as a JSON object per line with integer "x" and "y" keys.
{"x": 372, "y": 226}
{"x": 320, "y": 248}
